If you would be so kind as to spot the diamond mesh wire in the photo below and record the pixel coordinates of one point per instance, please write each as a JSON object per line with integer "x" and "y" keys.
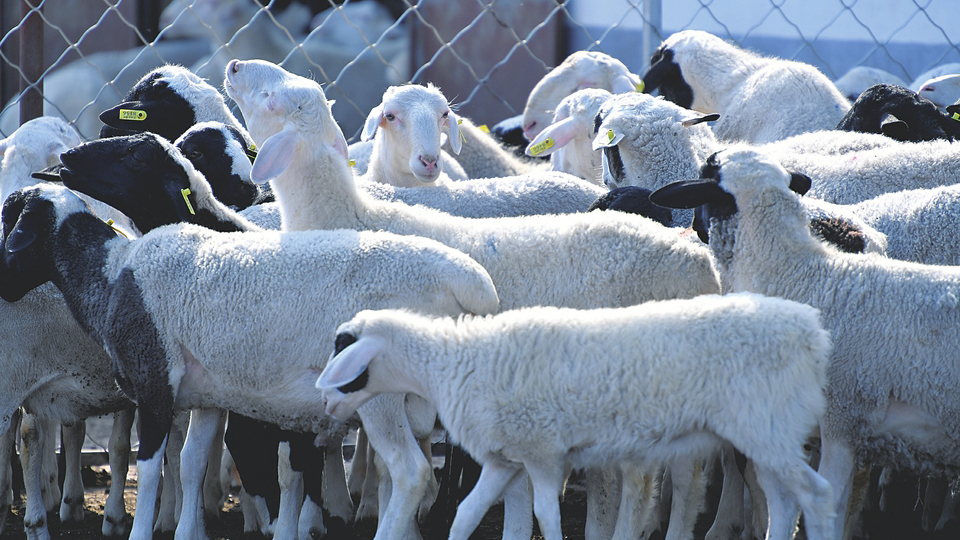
{"x": 485, "y": 55}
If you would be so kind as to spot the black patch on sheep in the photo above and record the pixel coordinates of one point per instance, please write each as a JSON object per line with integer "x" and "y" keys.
{"x": 134, "y": 174}
{"x": 307, "y": 458}
{"x": 253, "y": 446}
{"x": 917, "y": 118}
{"x": 140, "y": 361}
{"x": 612, "y": 153}
{"x": 664, "y": 75}
{"x": 207, "y": 150}
{"x": 509, "y": 132}
{"x": 343, "y": 341}
{"x": 597, "y": 120}
{"x": 840, "y": 233}
{"x": 357, "y": 384}
{"x": 27, "y": 220}
{"x": 634, "y": 200}
{"x": 168, "y": 114}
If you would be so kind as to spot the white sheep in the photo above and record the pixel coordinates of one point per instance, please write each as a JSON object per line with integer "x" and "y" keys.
{"x": 943, "y": 90}
{"x": 406, "y": 132}
{"x": 700, "y": 71}
{"x": 58, "y": 374}
{"x": 892, "y": 379}
{"x": 934, "y": 72}
{"x": 569, "y": 139}
{"x": 859, "y": 78}
{"x": 582, "y": 69}
{"x": 533, "y": 260}
{"x": 647, "y": 140}
{"x": 757, "y": 365}
{"x": 173, "y": 344}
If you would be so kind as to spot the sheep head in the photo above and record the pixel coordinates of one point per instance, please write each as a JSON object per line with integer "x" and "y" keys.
{"x": 408, "y": 128}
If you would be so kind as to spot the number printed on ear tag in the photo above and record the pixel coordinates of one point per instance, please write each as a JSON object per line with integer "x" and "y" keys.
{"x": 131, "y": 114}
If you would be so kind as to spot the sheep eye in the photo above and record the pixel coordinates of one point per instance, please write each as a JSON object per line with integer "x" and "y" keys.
{"x": 195, "y": 154}
{"x": 445, "y": 115}
{"x": 390, "y": 117}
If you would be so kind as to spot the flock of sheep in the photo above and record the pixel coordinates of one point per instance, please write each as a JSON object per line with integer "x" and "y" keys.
{"x": 705, "y": 274}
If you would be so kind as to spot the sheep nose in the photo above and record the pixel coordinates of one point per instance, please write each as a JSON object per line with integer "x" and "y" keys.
{"x": 430, "y": 162}
{"x": 528, "y": 130}
{"x": 234, "y": 65}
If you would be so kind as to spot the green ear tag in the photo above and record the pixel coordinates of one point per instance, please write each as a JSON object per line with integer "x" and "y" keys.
{"x": 956, "y": 116}
{"x": 186, "y": 193}
{"x": 610, "y": 135}
{"x": 542, "y": 146}
{"x": 640, "y": 86}
{"x": 131, "y": 114}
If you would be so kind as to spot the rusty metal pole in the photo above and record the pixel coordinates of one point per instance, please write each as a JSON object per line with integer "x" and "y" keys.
{"x": 31, "y": 60}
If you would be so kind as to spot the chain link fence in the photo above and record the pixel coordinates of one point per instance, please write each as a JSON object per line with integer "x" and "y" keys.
{"x": 486, "y": 55}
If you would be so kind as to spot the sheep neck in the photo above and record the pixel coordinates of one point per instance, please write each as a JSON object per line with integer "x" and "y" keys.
{"x": 80, "y": 252}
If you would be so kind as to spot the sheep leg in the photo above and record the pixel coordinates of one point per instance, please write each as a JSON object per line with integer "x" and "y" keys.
{"x": 837, "y": 467}
{"x": 114, "y": 511}
{"x": 603, "y": 491}
{"x": 7, "y": 443}
{"x": 494, "y": 479}
{"x": 203, "y": 430}
{"x": 369, "y": 505}
{"x": 253, "y": 445}
{"x": 547, "y": 485}
{"x": 171, "y": 499}
{"x": 406, "y": 466}
{"x": 50, "y": 471}
{"x": 32, "y": 442}
{"x": 686, "y": 474}
{"x": 213, "y": 495}
{"x": 636, "y": 503}
{"x": 730, "y": 518}
{"x": 291, "y": 495}
{"x": 71, "y": 505}
{"x": 358, "y": 467}
{"x": 309, "y": 460}
{"x": 796, "y": 483}
{"x": 933, "y": 497}
{"x": 949, "y": 514}
{"x": 518, "y": 509}
{"x": 336, "y": 496}
{"x": 149, "y": 468}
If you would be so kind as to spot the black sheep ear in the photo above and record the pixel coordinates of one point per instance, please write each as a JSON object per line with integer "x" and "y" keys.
{"x": 800, "y": 183}
{"x": 705, "y": 118}
{"x": 50, "y": 174}
{"x": 689, "y": 194}
{"x": 136, "y": 116}
{"x": 954, "y": 111}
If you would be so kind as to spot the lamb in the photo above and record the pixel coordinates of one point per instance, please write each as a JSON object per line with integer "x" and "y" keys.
{"x": 533, "y": 260}
{"x": 892, "y": 376}
{"x": 497, "y": 366}
{"x": 57, "y": 373}
{"x": 859, "y": 78}
{"x": 700, "y": 71}
{"x": 899, "y": 113}
{"x": 942, "y": 91}
{"x": 406, "y": 129}
{"x": 198, "y": 365}
{"x": 568, "y": 140}
{"x": 582, "y": 69}
{"x": 219, "y": 152}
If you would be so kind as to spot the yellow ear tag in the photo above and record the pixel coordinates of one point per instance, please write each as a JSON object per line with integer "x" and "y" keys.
{"x": 610, "y": 135}
{"x": 130, "y": 114}
{"x": 483, "y": 128}
{"x": 956, "y": 116}
{"x": 352, "y": 162}
{"x": 186, "y": 193}
{"x": 253, "y": 147}
{"x": 640, "y": 86}
{"x": 110, "y": 222}
{"x": 463, "y": 139}
{"x": 541, "y": 146}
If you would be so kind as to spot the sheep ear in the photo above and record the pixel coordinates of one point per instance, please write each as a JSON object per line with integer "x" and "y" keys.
{"x": 274, "y": 156}
{"x": 456, "y": 141}
{"x": 373, "y": 121}
{"x": 606, "y": 138}
{"x": 349, "y": 364}
{"x": 800, "y": 183}
{"x": 700, "y": 119}
{"x": 22, "y": 234}
{"x": 621, "y": 84}
{"x": 552, "y": 138}
{"x": 133, "y": 115}
{"x": 688, "y": 194}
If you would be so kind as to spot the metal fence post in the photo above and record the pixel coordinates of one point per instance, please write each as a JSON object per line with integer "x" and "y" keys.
{"x": 652, "y": 29}
{"x": 31, "y": 61}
